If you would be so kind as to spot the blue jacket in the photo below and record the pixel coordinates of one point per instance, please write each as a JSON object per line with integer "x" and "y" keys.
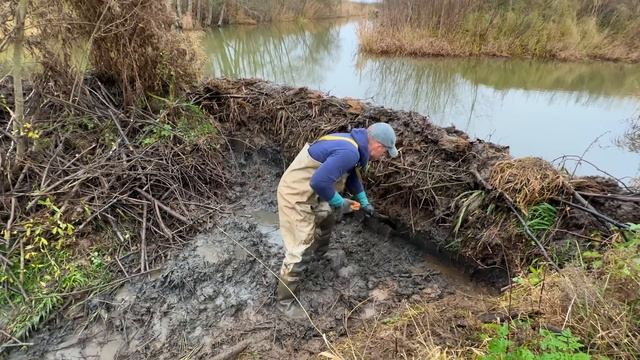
{"x": 338, "y": 158}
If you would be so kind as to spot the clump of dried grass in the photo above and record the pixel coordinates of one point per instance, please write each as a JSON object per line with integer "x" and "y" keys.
{"x": 527, "y": 181}
{"x": 590, "y": 304}
{"x": 444, "y": 329}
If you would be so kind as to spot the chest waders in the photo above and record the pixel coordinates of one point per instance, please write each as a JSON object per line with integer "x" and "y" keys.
{"x": 306, "y": 223}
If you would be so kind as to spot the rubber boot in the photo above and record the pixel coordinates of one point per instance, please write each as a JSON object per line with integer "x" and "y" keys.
{"x": 288, "y": 286}
{"x": 286, "y": 303}
{"x": 323, "y": 236}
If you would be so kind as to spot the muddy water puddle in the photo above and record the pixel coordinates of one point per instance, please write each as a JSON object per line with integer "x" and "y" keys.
{"x": 267, "y": 223}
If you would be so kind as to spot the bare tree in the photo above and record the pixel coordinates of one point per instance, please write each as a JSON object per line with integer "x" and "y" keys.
{"x": 18, "y": 49}
{"x": 199, "y": 12}
{"x": 179, "y": 9}
{"x": 210, "y": 13}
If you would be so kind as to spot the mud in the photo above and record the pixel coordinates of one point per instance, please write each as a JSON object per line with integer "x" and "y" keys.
{"x": 215, "y": 294}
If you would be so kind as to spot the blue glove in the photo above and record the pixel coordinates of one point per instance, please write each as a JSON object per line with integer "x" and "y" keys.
{"x": 364, "y": 203}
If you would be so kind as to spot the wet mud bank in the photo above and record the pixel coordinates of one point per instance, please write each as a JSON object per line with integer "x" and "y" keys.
{"x": 215, "y": 296}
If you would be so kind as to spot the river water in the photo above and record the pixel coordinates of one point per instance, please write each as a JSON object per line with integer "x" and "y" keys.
{"x": 545, "y": 109}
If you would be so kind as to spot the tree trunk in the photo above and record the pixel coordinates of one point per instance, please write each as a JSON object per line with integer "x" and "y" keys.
{"x": 190, "y": 8}
{"x": 224, "y": 6}
{"x": 179, "y": 10}
{"x": 18, "y": 49}
{"x": 210, "y": 15}
{"x": 199, "y": 12}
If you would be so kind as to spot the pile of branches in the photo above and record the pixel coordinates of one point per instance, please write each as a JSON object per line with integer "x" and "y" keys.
{"x": 94, "y": 168}
{"x": 114, "y": 161}
{"x": 132, "y": 182}
{"x": 431, "y": 186}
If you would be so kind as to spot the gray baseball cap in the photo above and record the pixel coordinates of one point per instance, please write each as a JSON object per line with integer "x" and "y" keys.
{"x": 384, "y": 134}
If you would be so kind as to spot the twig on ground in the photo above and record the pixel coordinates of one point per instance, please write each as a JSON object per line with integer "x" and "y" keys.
{"x": 233, "y": 351}
{"x": 143, "y": 241}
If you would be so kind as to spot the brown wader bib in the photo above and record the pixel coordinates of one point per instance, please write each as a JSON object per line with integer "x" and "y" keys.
{"x": 305, "y": 221}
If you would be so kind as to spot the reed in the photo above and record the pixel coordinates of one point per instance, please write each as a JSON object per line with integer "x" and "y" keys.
{"x": 564, "y": 29}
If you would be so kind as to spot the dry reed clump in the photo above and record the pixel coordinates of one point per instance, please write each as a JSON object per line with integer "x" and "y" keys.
{"x": 567, "y": 30}
{"x": 132, "y": 42}
{"x": 444, "y": 328}
{"x": 589, "y": 304}
{"x": 527, "y": 181}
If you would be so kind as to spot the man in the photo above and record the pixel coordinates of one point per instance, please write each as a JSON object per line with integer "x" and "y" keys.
{"x": 309, "y": 200}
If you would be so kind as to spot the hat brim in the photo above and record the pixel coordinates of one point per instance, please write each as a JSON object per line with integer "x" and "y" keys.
{"x": 393, "y": 152}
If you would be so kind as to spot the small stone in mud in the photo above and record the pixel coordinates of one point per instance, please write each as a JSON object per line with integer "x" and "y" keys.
{"x": 347, "y": 271}
{"x": 431, "y": 292}
{"x": 380, "y": 294}
{"x": 337, "y": 257}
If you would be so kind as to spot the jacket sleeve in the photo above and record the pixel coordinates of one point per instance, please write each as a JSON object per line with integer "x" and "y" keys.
{"x": 324, "y": 179}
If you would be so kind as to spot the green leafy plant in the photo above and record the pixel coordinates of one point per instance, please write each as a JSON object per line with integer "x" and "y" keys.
{"x": 622, "y": 260}
{"x": 158, "y": 133}
{"x": 534, "y": 277}
{"x": 546, "y": 346}
{"x": 541, "y": 217}
{"x": 42, "y": 269}
{"x": 178, "y": 117}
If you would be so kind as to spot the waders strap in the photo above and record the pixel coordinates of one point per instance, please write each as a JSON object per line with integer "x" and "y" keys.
{"x": 335, "y": 137}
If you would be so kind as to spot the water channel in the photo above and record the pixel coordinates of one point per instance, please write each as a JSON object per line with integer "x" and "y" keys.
{"x": 546, "y": 109}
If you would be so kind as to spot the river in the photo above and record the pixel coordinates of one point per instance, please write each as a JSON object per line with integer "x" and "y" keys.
{"x": 538, "y": 108}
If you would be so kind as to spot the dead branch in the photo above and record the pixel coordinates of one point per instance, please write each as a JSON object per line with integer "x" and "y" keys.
{"x": 163, "y": 206}
{"x": 143, "y": 241}
{"x": 515, "y": 211}
{"x": 597, "y": 214}
{"x": 611, "y": 196}
{"x": 232, "y": 352}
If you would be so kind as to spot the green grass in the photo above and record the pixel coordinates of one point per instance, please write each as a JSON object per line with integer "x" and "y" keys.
{"x": 178, "y": 118}
{"x": 541, "y": 217}
{"x": 546, "y": 345}
{"x": 43, "y": 269}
